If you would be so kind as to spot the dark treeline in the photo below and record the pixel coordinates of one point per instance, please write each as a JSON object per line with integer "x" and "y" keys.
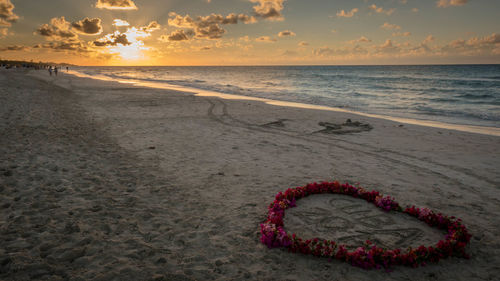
{"x": 28, "y": 64}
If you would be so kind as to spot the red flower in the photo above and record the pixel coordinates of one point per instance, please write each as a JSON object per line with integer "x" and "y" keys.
{"x": 274, "y": 235}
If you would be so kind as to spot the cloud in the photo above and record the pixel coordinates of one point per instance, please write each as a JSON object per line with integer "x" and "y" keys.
{"x": 303, "y": 43}
{"x": 208, "y": 27}
{"x": 289, "y": 53}
{"x": 210, "y": 31}
{"x": 428, "y": 39}
{"x": 473, "y": 46}
{"x": 181, "y": 21}
{"x": 113, "y": 40}
{"x": 128, "y": 45}
{"x": 344, "y": 14}
{"x": 286, "y": 33}
{"x": 129, "y": 37}
{"x": 269, "y": 9}
{"x": 245, "y": 38}
{"x": 340, "y": 52}
{"x": 152, "y": 26}
{"x": 219, "y": 19}
{"x": 388, "y": 47}
{"x": 7, "y": 16}
{"x": 64, "y": 38}
{"x": 401, "y": 34}
{"x": 119, "y": 23}
{"x": 415, "y": 10}
{"x": 75, "y": 47}
{"x": 178, "y": 35}
{"x": 266, "y": 39}
{"x": 380, "y": 10}
{"x": 116, "y": 4}
{"x": 88, "y": 26}
{"x": 389, "y": 26}
{"x": 14, "y": 48}
{"x": 488, "y": 45}
{"x": 448, "y": 3}
{"x": 387, "y": 44}
{"x": 229, "y": 19}
{"x": 58, "y": 29}
{"x": 324, "y": 52}
{"x": 362, "y": 39}
{"x": 492, "y": 39}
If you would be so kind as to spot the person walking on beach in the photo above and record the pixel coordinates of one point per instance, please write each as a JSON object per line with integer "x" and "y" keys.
{"x": 55, "y": 70}
{"x": 67, "y": 69}
{"x": 50, "y": 70}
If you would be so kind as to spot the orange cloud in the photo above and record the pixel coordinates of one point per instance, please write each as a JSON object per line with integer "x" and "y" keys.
{"x": 58, "y": 29}
{"x": 286, "y": 33}
{"x": 266, "y": 39}
{"x": 113, "y": 40}
{"x": 14, "y": 48}
{"x": 475, "y": 46}
{"x": 380, "y": 10}
{"x": 448, "y": 3}
{"x": 344, "y": 14}
{"x": 401, "y": 34}
{"x": 7, "y": 16}
{"x": 88, "y": 26}
{"x": 389, "y": 26}
{"x": 269, "y": 9}
{"x": 116, "y": 4}
{"x": 362, "y": 39}
{"x": 178, "y": 35}
{"x": 208, "y": 27}
{"x": 119, "y": 23}
{"x": 428, "y": 39}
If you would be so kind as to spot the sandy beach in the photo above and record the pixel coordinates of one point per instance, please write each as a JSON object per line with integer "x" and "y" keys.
{"x": 107, "y": 181}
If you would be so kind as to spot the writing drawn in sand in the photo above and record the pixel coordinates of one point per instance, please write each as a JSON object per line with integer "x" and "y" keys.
{"x": 351, "y": 221}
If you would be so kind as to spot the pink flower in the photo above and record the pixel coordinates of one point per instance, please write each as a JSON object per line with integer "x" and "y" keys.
{"x": 273, "y": 234}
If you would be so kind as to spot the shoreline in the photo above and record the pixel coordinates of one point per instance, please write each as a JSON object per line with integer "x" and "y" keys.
{"x": 486, "y": 130}
{"x": 107, "y": 181}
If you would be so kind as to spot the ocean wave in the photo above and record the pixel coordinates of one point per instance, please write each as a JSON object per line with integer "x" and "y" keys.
{"x": 463, "y": 94}
{"x": 426, "y": 110}
{"x": 476, "y": 96}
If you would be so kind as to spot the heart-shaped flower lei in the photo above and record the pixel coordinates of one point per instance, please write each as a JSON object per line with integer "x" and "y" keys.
{"x": 370, "y": 256}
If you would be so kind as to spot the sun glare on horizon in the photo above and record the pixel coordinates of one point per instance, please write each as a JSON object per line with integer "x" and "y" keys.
{"x": 133, "y": 49}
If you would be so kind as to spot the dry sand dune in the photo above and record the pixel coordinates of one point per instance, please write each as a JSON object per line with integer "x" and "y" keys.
{"x": 108, "y": 181}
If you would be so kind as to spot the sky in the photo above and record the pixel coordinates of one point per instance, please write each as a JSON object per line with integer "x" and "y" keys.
{"x": 251, "y": 32}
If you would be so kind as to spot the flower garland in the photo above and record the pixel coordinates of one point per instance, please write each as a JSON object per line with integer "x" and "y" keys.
{"x": 370, "y": 256}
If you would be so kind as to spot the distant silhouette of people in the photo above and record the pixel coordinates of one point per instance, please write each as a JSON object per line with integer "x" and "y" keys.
{"x": 67, "y": 69}
{"x": 55, "y": 70}
{"x": 50, "y": 70}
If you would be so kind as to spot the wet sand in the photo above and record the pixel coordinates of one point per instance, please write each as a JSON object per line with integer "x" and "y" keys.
{"x": 108, "y": 181}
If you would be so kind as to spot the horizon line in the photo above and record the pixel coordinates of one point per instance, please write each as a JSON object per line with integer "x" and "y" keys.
{"x": 274, "y": 65}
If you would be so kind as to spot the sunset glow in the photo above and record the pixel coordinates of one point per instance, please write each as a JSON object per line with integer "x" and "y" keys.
{"x": 251, "y": 32}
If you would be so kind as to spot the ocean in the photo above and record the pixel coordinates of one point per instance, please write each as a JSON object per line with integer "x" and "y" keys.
{"x": 451, "y": 94}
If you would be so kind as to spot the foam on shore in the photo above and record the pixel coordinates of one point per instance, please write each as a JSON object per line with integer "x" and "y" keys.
{"x": 493, "y": 131}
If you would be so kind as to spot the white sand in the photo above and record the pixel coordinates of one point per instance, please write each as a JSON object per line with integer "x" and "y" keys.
{"x": 107, "y": 181}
